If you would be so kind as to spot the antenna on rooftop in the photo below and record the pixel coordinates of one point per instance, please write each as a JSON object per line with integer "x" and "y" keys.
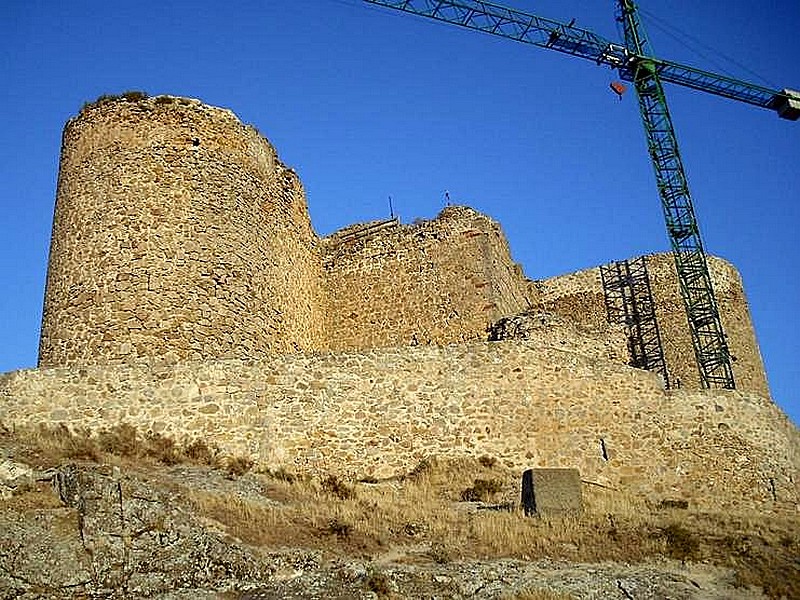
{"x": 391, "y": 208}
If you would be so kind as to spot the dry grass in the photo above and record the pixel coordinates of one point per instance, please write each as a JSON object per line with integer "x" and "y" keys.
{"x": 46, "y": 447}
{"x": 130, "y": 96}
{"x": 336, "y": 487}
{"x": 237, "y": 466}
{"x": 424, "y": 510}
{"x": 482, "y": 490}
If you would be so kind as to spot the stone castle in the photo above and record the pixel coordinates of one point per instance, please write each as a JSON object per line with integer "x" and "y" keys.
{"x": 188, "y": 294}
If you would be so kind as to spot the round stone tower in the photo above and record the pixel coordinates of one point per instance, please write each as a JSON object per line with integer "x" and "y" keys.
{"x": 178, "y": 235}
{"x": 580, "y": 298}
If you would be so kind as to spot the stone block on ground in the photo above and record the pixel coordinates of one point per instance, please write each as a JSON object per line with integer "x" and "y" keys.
{"x": 551, "y": 492}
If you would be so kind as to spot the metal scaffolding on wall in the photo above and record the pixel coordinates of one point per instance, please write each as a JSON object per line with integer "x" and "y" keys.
{"x": 629, "y": 301}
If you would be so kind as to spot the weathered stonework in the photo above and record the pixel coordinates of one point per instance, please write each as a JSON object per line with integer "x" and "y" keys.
{"x": 434, "y": 282}
{"x": 177, "y": 235}
{"x": 188, "y": 295}
{"x": 379, "y": 412}
{"x": 556, "y": 492}
{"x": 578, "y": 297}
{"x": 608, "y": 342}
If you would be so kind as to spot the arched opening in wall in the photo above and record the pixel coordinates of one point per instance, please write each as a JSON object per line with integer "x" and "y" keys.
{"x": 603, "y": 449}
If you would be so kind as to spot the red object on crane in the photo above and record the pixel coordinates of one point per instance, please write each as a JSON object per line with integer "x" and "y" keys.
{"x": 618, "y": 88}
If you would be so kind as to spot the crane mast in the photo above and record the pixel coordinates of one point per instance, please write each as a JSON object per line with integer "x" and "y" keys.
{"x": 708, "y": 338}
{"x": 633, "y": 62}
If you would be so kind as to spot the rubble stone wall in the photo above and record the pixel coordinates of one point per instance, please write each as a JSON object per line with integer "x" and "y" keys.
{"x": 177, "y": 235}
{"x": 433, "y": 282}
{"x": 609, "y": 343}
{"x": 380, "y": 412}
{"x": 579, "y": 298}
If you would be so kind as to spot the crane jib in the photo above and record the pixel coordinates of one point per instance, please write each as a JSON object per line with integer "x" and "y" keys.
{"x": 566, "y": 38}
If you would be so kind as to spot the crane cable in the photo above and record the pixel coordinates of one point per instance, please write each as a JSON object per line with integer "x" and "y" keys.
{"x": 686, "y": 40}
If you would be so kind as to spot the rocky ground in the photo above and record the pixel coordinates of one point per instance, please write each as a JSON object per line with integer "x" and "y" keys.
{"x": 80, "y": 521}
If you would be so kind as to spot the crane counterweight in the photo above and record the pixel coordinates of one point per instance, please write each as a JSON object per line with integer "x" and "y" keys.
{"x": 788, "y": 105}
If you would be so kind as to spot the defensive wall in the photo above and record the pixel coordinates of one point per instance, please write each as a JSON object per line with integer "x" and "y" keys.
{"x": 179, "y": 235}
{"x": 188, "y": 295}
{"x": 432, "y": 282}
{"x": 379, "y": 412}
{"x": 578, "y": 297}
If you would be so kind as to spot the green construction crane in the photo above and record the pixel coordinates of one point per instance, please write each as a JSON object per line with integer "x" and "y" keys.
{"x": 634, "y": 63}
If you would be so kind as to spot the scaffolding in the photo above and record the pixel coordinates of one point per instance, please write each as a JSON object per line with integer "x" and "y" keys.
{"x": 629, "y": 302}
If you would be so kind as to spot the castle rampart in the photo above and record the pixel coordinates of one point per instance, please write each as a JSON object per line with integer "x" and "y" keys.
{"x": 379, "y": 412}
{"x": 579, "y": 298}
{"x": 179, "y": 235}
{"x": 188, "y": 295}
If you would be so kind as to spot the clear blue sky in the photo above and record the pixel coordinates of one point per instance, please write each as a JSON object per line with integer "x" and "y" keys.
{"x": 367, "y": 103}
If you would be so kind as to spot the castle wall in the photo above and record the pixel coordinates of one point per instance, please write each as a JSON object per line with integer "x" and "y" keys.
{"x": 177, "y": 235}
{"x": 434, "y": 282}
{"x": 609, "y": 343}
{"x": 747, "y": 364}
{"x": 182, "y": 245}
{"x": 380, "y": 412}
{"x": 579, "y": 298}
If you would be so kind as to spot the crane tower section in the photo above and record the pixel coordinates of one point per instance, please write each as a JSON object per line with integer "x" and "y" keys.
{"x": 708, "y": 337}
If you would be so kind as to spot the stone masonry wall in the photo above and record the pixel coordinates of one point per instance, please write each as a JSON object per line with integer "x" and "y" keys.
{"x": 579, "y": 298}
{"x": 748, "y": 366}
{"x": 177, "y": 235}
{"x": 380, "y": 412}
{"x": 433, "y": 282}
{"x": 609, "y": 343}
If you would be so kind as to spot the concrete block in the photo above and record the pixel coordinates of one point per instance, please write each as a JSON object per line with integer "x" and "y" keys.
{"x": 551, "y": 492}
